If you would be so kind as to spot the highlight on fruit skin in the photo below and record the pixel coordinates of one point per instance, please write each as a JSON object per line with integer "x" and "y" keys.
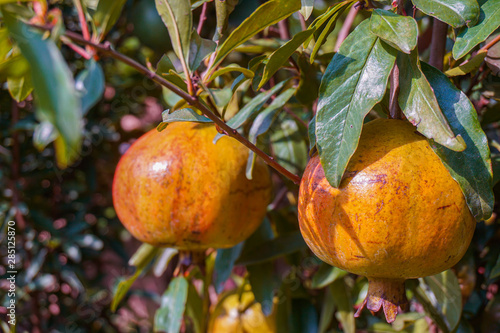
{"x": 176, "y": 188}
{"x": 398, "y": 214}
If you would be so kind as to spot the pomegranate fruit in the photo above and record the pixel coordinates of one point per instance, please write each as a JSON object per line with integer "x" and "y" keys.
{"x": 240, "y": 313}
{"x": 176, "y": 188}
{"x": 397, "y": 214}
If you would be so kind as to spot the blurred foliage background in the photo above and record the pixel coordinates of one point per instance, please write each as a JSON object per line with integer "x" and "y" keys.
{"x": 72, "y": 251}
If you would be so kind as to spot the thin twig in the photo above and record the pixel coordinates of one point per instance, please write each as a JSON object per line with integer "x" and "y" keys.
{"x": 203, "y": 17}
{"x": 490, "y": 44}
{"x": 346, "y": 27}
{"x": 438, "y": 44}
{"x": 76, "y": 48}
{"x": 83, "y": 22}
{"x": 190, "y": 99}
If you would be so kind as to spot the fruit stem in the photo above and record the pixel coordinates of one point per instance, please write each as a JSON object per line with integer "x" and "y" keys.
{"x": 388, "y": 294}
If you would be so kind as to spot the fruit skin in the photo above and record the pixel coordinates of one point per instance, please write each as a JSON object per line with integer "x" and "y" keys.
{"x": 397, "y": 215}
{"x": 176, "y": 188}
{"x": 242, "y": 315}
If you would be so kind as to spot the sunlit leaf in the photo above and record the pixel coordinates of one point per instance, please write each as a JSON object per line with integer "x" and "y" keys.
{"x": 289, "y": 146}
{"x": 222, "y": 10}
{"x": 468, "y": 38}
{"x": 106, "y": 15}
{"x": 355, "y": 80}
{"x": 307, "y": 8}
{"x": 401, "y": 32}
{"x": 456, "y": 13}
{"x": 20, "y": 87}
{"x": 469, "y": 66}
{"x": 169, "y": 316}
{"x": 419, "y": 104}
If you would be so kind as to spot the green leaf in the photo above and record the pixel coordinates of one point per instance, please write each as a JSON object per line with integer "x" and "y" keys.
{"x": 176, "y": 14}
{"x": 20, "y": 87}
{"x": 311, "y": 133}
{"x": 327, "y": 312}
{"x": 307, "y": 91}
{"x": 264, "y": 282}
{"x": 304, "y": 316}
{"x": 200, "y": 48}
{"x": 106, "y": 15}
{"x": 326, "y": 275}
{"x": 268, "y": 14}
{"x": 355, "y": 80}
{"x": 441, "y": 298}
{"x": 272, "y": 249}
{"x": 333, "y": 15}
{"x": 401, "y": 32}
{"x": 289, "y": 146}
{"x": 342, "y": 301}
{"x": 224, "y": 263}
{"x": 307, "y": 8}
{"x": 419, "y": 104}
{"x": 263, "y": 122}
{"x": 90, "y": 85}
{"x": 468, "y": 38}
{"x": 161, "y": 263}
{"x": 169, "y": 316}
{"x": 474, "y": 176}
{"x": 469, "y": 66}
{"x": 456, "y": 13}
{"x": 495, "y": 271}
{"x": 183, "y": 115}
{"x": 222, "y": 10}
{"x": 194, "y": 309}
{"x": 281, "y": 55}
{"x": 44, "y": 134}
{"x": 56, "y": 97}
{"x": 231, "y": 68}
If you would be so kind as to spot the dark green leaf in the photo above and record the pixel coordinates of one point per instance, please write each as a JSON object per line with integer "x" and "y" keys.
{"x": 200, "y": 48}
{"x": 474, "y": 176}
{"x": 224, "y": 263}
{"x": 176, "y": 14}
{"x": 222, "y": 10}
{"x": 183, "y": 115}
{"x": 44, "y": 134}
{"x": 441, "y": 298}
{"x": 419, "y": 104}
{"x": 221, "y": 97}
{"x": 307, "y": 8}
{"x": 342, "y": 301}
{"x": 326, "y": 275}
{"x": 495, "y": 271}
{"x": 90, "y": 85}
{"x": 456, "y": 13}
{"x": 20, "y": 87}
{"x": 311, "y": 131}
{"x": 272, "y": 249}
{"x": 355, "y": 80}
{"x": 169, "y": 316}
{"x": 268, "y": 14}
{"x": 334, "y": 14}
{"x": 289, "y": 146}
{"x": 327, "y": 311}
{"x": 489, "y": 20}
{"x": 264, "y": 282}
{"x": 106, "y": 15}
{"x": 469, "y": 66}
{"x": 194, "y": 309}
{"x": 164, "y": 66}
{"x": 304, "y": 316}
{"x": 56, "y": 98}
{"x": 401, "y": 32}
{"x": 281, "y": 55}
{"x": 307, "y": 91}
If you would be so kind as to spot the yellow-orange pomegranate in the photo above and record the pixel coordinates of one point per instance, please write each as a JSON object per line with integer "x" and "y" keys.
{"x": 176, "y": 188}
{"x": 241, "y": 314}
{"x": 398, "y": 214}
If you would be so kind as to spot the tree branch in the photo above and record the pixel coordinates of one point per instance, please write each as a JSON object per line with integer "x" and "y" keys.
{"x": 438, "y": 44}
{"x": 106, "y": 49}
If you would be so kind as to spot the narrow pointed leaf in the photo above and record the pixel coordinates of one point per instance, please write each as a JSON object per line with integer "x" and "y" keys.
{"x": 469, "y": 66}
{"x": 281, "y": 55}
{"x": 342, "y": 301}
{"x": 307, "y": 8}
{"x": 401, "y": 32}
{"x": 224, "y": 263}
{"x": 468, "y": 38}
{"x": 184, "y": 115}
{"x": 106, "y": 15}
{"x": 90, "y": 85}
{"x": 55, "y": 94}
{"x": 355, "y": 80}
{"x": 268, "y": 14}
{"x": 199, "y": 49}
{"x": 456, "y": 13}
{"x": 20, "y": 87}
{"x": 223, "y": 8}
{"x": 419, "y": 104}
{"x": 231, "y": 68}
{"x": 169, "y": 316}
{"x": 289, "y": 146}
{"x": 176, "y": 14}
{"x": 472, "y": 167}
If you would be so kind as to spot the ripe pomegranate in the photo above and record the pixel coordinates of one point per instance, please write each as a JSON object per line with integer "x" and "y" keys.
{"x": 176, "y": 188}
{"x": 241, "y": 314}
{"x": 398, "y": 214}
